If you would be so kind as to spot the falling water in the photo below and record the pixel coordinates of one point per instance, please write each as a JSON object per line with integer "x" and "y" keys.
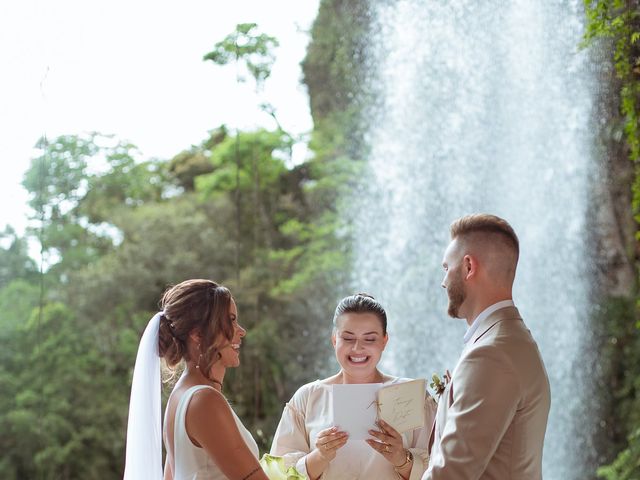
{"x": 482, "y": 106}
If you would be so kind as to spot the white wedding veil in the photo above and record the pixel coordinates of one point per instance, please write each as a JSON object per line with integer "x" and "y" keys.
{"x": 144, "y": 431}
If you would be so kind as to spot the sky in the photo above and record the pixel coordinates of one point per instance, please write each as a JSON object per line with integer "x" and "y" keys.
{"x": 134, "y": 69}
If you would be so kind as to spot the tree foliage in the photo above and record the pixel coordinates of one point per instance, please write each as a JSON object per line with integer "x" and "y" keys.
{"x": 68, "y": 344}
{"x": 246, "y": 45}
{"x": 116, "y": 229}
{"x": 76, "y": 183}
{"x": 15, "y": 261}
{"x": 618, "y": 23}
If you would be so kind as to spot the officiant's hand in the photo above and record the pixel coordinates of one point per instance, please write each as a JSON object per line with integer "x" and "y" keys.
{"x": 388, "y": 443}
{"x": 329, "y": 441}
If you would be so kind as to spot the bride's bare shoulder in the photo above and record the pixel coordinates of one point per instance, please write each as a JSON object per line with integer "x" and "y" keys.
{"x": 206, "y": 399}
{"x": 208, "y": 412}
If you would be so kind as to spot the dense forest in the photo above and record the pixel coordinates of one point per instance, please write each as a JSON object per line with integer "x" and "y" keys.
{"x": 116, "y": 229}
{"x": 613, "y": 27}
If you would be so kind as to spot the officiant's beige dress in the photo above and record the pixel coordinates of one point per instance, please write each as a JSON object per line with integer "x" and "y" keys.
{"x": 310, "y": 410}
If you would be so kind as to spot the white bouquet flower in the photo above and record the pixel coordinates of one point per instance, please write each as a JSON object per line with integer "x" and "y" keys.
{"x": 275, "y": 469}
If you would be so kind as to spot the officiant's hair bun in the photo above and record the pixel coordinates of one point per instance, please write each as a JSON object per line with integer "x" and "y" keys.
{"x": 361, "y": 303}
{"x": 194, "y": 304}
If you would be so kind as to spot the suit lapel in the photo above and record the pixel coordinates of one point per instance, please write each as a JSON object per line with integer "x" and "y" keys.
{"x": 505, "y": 313}
{"x": 446, "y": 399}
{"x": 441, "y": 415}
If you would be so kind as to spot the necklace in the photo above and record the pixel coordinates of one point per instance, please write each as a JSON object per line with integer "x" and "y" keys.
{"x": 216, "y": 381}
{"x": 213, "y": 380}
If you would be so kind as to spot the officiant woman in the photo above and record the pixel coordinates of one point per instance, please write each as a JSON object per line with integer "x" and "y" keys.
{"x": 305, "y": 436}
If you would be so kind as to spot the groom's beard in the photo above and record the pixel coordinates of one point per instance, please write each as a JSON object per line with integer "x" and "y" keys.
{"x": 457, "y": 296}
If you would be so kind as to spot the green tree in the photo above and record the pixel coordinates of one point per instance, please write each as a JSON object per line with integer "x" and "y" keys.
{"x": 17, "y": 301}
{"x": 189, "y": 164}
{"x": 250, "y": 173}
{"x": 62, "y": 416}
{"x": 15, "y": 261}
{"x": 126, "y": 183}
{"x": 76, "y": 183}
{"x": 245, "y": 45}
{"x": 616, "y": 24}
{"x": 117, "y": 230}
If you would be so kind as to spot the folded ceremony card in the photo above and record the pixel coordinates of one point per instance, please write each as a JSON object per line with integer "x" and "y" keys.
{"x": 356, "y": 407}
{"x": 401, "y": 405}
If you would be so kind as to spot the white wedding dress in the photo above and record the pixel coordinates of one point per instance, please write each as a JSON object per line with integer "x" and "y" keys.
{"x": 191, "y": 462}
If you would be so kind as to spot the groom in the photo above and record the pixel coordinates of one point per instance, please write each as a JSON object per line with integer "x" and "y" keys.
{"x": 492, "y": 416}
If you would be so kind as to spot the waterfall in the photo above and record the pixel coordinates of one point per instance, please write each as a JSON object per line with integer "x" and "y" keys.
{"x": 482, "y": 106}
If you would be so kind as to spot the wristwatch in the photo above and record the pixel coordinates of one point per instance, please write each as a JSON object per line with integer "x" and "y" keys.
{"x": 407, "y": 459}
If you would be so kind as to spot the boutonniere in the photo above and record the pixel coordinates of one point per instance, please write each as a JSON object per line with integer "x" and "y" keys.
{"x": 438, "y": 384}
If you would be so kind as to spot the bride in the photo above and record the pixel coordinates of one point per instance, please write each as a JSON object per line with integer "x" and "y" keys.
{"x": 203, "y": 437}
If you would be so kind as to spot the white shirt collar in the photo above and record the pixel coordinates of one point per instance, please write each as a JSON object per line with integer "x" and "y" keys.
{"x": 484, "y": 314}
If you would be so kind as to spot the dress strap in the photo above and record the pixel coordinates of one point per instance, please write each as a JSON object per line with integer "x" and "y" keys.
{"x": 180, "y": 436}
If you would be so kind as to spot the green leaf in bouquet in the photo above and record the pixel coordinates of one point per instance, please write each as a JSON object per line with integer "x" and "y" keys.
{"x": 275, "y": 469}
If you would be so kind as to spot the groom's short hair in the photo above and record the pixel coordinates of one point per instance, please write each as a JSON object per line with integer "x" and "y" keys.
{"x": 484, "y": 223}
{"x": 493, "y": 231}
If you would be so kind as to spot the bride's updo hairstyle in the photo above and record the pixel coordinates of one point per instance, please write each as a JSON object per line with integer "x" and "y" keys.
{"x": 200, "y": 305}
{"x": 361, "y": 303}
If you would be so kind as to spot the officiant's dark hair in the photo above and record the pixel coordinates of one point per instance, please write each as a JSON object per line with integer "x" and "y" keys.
{"x": 361, "y": 303}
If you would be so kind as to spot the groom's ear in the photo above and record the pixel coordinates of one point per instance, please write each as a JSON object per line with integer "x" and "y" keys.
{"x": 333, "y": 338}
{"x": 470, "y": 266}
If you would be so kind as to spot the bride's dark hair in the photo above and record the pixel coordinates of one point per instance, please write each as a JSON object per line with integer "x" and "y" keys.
{"x": 361, "y": 303}
{"x": 195, "y": 304}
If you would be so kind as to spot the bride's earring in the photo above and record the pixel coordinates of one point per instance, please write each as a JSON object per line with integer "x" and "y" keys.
{"x": 199, "y": 358}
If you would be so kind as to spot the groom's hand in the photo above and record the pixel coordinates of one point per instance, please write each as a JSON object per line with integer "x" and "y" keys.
{"x": 388, "y": 443}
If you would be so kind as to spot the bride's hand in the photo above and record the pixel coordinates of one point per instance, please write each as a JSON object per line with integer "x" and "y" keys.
{"x": 329, "y": 441}
{"x": 388, "y": 444}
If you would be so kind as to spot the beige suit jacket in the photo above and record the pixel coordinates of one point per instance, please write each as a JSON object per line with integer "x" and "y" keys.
{"x": 492, "y": 417}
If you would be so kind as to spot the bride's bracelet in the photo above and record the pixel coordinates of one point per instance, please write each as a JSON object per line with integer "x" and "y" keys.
{"x": 251, "y": 473}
